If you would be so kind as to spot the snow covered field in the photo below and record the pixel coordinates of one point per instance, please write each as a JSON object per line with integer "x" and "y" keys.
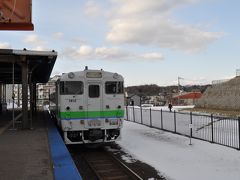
{"x": 221, "y": 130}
{"x": 174, "y": 158}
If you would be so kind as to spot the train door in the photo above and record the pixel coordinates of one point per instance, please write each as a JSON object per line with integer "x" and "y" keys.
{"x": 94, "y": 100}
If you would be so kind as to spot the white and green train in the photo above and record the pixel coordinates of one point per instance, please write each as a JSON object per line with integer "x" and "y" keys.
{"x": 90, "y": 106}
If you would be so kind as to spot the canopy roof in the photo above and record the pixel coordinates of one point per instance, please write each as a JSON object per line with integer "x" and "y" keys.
{"x": 39, "y": 64}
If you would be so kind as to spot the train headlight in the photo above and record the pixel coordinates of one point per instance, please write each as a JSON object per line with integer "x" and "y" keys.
{"x": 115, "y": 75}
{"x": 67, "y": 108}
{"x": 71, "y": 75}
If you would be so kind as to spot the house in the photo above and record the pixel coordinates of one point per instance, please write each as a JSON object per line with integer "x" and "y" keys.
{"x": 155, "y": 100}
{"x": 134, "y": 100}
{"x": 44, "y": 90}
{"x": 187, "y": 98}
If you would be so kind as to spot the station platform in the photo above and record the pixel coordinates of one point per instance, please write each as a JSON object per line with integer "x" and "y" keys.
{"x": 37, "y": 153}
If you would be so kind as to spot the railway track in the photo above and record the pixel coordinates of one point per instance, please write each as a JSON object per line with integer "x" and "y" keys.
{"x": 100, "y": 164}
{"x": 107, "y": 167}
{"x": 105, "y": 162}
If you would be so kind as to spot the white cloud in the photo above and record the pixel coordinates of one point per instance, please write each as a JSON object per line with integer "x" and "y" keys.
{"x": 58, "y": 35}
{"x": 92, "y": 9}
{"x": 35, "y": 42}
{"x": 40, "y": 48}
{"x": 107, "y": 53}
{"x": 78, "y": 40}
{"x": 152, "y": 56}
{"x": 149, "y": 23}
{"x": 85, "y": 50}
{"x": 4, "y": 45}
{"x": 32, "y": 39}
{"x": 112, "y": 53}
{"x": 143, "y": 8}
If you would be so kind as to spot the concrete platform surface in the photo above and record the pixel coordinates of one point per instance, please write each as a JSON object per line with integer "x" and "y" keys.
{"x": 25, "y": 154}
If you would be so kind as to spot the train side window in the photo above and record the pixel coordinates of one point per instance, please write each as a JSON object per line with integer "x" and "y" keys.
{"x": 93, "y": 91}
{"x": 114, "y": 87}
{"x": 71, "y": 87}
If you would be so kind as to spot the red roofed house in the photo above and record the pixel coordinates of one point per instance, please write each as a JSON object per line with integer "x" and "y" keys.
{"x": 188, "y": 98}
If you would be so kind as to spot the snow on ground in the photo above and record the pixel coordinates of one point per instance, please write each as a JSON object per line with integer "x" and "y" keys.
{"x": 174, "y": 158}
{"x": 10, "y": 105}
{"x": 174, "y": 108}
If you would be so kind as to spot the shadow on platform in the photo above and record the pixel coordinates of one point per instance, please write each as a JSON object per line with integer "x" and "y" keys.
{"x": 24, "y": 153}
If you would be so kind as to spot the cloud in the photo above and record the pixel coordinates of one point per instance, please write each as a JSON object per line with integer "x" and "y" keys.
{"x": 58, "y": 35}
{"x": 5, "y": 45}
{"x": 92, "y": 9}
{"x": 32, "y": 39}
{"x": 112, "y": 53}
{"x": 107, "y": 53}
{"x": 85, "y": 50}
{"x": 40, "y": 48}
{"x": 149, "y": 23}
{"x": 35, "y": 42}
{"x": 152, "y": 56}
{"x": 151, "y": 7}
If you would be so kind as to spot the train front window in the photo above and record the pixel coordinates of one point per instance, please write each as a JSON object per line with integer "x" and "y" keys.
{"x": 93, "y": 91}
{"x": 71, "y": 87}
{"x": 114, "y": 87}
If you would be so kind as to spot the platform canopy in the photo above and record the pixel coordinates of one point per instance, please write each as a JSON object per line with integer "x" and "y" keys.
{"x": 39, "y": 65}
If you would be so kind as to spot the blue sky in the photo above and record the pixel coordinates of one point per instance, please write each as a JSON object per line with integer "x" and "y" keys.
{"x": 148, "y": 42}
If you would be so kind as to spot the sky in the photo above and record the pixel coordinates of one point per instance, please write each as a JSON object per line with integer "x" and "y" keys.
{"x": 148, "y": 42}
{"x": 174, "y": 158}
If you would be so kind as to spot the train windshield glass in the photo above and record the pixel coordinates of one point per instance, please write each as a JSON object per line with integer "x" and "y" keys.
{"x": 71, "y": 87}
{"x": 94, "y": 91}
{"x": 114, "y": 87}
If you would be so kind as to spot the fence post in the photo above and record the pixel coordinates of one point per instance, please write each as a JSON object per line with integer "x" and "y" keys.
{"x": 127, "y": 112}
{"x": 133, "y": 115}
{"x": 175, "y": 124}
{"x": 238, "y": 133}
{"x": 161, "y": 120}
{"x": 141, "y": 115}
{"x": 212, "y": 127}
{"x": 191, "y": 124}
{"x": 150, "y": 117}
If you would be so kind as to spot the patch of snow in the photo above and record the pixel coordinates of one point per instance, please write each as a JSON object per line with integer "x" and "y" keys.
{"x": 173, "y": 157}
{"x": 128, "y": 159}
{"x": 174, "y": 108}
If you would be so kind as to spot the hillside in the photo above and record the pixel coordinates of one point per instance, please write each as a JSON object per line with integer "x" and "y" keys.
{"x": 154, "y": 90}
{"x": 222, "y": 96}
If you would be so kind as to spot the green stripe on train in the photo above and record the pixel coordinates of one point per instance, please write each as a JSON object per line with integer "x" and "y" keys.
{"x": 92, "y": 114}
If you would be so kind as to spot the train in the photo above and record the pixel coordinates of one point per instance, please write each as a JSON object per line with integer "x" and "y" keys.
{"x": 89, "y": 106}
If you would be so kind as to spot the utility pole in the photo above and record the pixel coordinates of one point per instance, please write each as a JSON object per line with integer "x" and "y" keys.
{"x": 179, "y": 88}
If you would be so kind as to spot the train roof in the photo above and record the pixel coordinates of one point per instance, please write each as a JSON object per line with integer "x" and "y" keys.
{"x": 91, "y": 74}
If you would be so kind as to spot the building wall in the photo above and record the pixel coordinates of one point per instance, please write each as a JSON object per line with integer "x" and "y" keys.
{"x": 135, "y": 99}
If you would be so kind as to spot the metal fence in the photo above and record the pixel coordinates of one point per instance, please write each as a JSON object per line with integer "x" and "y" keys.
{"x": 214, "y": 129}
